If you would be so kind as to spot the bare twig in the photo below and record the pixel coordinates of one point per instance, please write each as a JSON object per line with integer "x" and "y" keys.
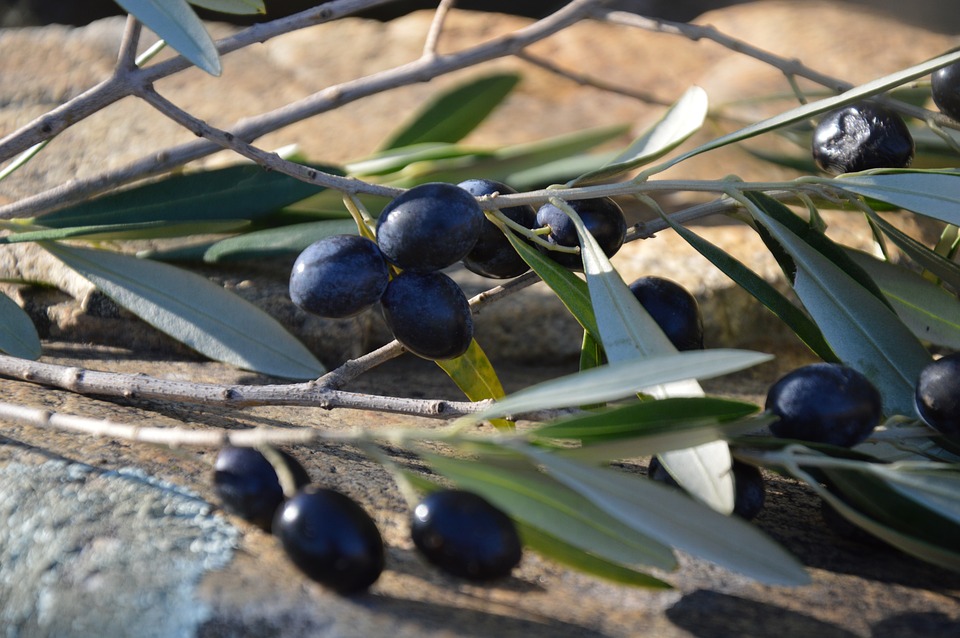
{"x": 250, "y": 129}
{"x": 127, "y": 58}
{"x": 436, "y": 28}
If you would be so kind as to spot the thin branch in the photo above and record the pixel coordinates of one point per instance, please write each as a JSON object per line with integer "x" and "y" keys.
{"x": 328, "y": 99}
{"x": 436, "y": 28}
{"x": 127, "y": 58}
{"x": 586, "y": 80}
{"x": 788, "y": 66}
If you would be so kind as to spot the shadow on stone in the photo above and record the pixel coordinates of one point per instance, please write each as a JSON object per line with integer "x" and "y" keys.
{"x": 918, "y": 624}
{"x": 707, "y": 614}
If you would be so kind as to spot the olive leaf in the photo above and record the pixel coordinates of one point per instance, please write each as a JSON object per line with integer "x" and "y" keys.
{"x": 682, "y": 120}
{"x": 671, "y": 517}
{"x": 931, "y": 313}
{"x": 628, "y": 332}
{"x": 932, "y": 193}
{"x": 453, "y": 114}
{"x": 18, "y": 335}
{"x": 474, "y": 375}
{"x": 244, "y": 191}
{"x": 864, "y": 332}
{"x": 946, "y": 270}
{"x": 175, "y": 22}
{"x": 236, "y": 7}
{"x": 272, "y": 242}
{"x": 194, "y": 310}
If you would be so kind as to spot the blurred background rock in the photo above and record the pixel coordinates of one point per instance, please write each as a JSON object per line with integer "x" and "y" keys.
{"x": 933, "y": 14}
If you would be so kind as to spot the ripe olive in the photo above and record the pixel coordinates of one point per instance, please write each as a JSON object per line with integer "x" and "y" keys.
{"x": 602, "y": 217}
{"x": 862, "y": 136}
{"x": 938, "y": 395}
{"x": 492, "y": 255}
{"x": 428, "y": 314}
{"x": 247, "y": 484}
{"x": 463, "y": 534}
{"x": 674, "y": 309}
{"x": 339, "y": 276}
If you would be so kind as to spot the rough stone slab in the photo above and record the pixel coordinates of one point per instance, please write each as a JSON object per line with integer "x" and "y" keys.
{"x": 857, "y": 590}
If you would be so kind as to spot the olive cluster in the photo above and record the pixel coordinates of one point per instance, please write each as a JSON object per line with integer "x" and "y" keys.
{"x": 426, "y": 229}
{"x": 334, "y": 541}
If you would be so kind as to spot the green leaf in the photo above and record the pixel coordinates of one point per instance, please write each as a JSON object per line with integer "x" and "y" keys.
{"x": 934, "y": 486}
{"x": 455, "y": 113}
{"x": 671, "y": 517}
{"x": 393, "y": 160}
{"x": 682, "y": 120}
{"x": 940, "y": 266}
{"x": 528, "y": 495}
{"x": 622, "y": 379}
{"x": 273, "y": 242}
{"x": 144, "y": 230}
{"x": 195, "y": 311}
{"x": 474, "y": 375}
{"x": 591, "y": 353}
{"x": 235, "y": 7}
{"x": 550, "y": 546}
{"x": 931, "y": 313}
{"x": 647, "y": 418}
{"x": 627, "y": 331}
{"x": 934, "y": 194}
{"x": 795, "y": 318}
{"x": 244, "y": 191}
{"x": 864, "y": 332}
{"x": 806, "y": 111}
{"x": 570, "y": 289}
{"x": 175, "y": 22}
{"x": 18, "y": 335}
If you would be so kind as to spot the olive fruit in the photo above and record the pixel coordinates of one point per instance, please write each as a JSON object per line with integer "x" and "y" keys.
{"x": 674, "y": 309}
{"x": 824, "y": 403}
{"x": 429, "y": 227}
{"x": 938, "y": 395}
{"x": 339, "y": 276}
{"x": 492, "y": 255}
{"x": 862, "y": 136}
{"x": 331, "y": 539}
{"x": 247, "y": 484}
{"x": 463, "y": 534}
{"x": 945, "y": 85}
{"x": 602, "y": 217}
{"x": 428, "y": 314}
{"x": 748, "y": 485}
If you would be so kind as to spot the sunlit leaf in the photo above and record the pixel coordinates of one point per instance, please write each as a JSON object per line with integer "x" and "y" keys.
{"x": 244, "y": 191}
{"x": 931, "y": 313}
{"x": 455, "y": 113}
{"x": 474, "y": 375}
{"x": 674, "y": 519}
{"x": 236, "y": 7}
{"x": 934, "y": 194}
{"x": 795, "y": 318}
{"x": 622, "y": 379}
{"x": 682, "y": 120}
{"x": 195, "y": 311}
{"x": 864, "y": 332}
{"x": 18, "y": 335}
{"x": 627, "y": 331}
{"x": 273, "y": 242}
{"x": 175, "y": 22}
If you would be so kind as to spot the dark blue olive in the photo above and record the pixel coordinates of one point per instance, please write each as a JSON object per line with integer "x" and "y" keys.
{"x": 492, "y": 255}
{"x": 674, "y": 309}
{"x": 824, "y": 403}
{"x": 748, "y": 485}
{"x": 463, "y": 534}
{"x": 945, "y": 86}
{"x": 938, "y": 395}
{"x": 429, "y": 227}
{"x": 339, "y": 276}
{"x": 331, "y": 539}
{"x": 860, "y": 137}
{"x": 247, "y": 484}
{"x": 602, "y": 217}
{"x": 428, "y": 314}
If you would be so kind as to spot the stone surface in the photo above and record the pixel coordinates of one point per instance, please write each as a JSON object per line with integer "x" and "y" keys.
{"x": 56, "y": 576}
